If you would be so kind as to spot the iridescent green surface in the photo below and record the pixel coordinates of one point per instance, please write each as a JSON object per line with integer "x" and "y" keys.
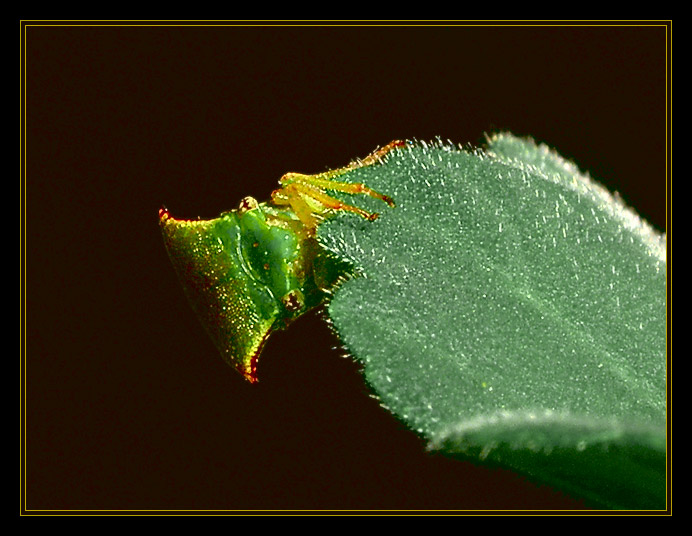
{"x": 249, "y": 272}
{"x": 255, "y": 269}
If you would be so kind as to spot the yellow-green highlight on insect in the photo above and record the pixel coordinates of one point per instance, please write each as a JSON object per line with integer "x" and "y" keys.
{"x": 257, "y": 268}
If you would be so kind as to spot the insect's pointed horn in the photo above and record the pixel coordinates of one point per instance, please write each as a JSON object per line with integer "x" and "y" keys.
{"x": 232, "y": 309}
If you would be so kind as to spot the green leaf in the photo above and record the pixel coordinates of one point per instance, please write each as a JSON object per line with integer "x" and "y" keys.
{"x": 513, "y": 312}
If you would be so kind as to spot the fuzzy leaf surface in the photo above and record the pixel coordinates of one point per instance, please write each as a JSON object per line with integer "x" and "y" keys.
{"x": 513, "y": 312}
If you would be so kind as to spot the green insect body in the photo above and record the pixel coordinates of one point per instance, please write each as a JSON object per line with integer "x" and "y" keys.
{"x": 257, "y": 268}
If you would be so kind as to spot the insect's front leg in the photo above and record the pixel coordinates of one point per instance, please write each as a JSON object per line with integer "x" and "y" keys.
{"x": 309, "y": 202}
{"x": 290, "y": 196}
{"x": 306, "y": 194}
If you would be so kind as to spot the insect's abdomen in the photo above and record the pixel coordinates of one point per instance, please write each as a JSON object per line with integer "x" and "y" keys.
{"x": 247, "y": 273}
{"x": 237, "y": 311}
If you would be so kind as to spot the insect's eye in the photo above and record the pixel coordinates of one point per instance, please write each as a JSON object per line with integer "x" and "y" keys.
{"x": 247, "y": 204}
{"x": 294, "y": 301}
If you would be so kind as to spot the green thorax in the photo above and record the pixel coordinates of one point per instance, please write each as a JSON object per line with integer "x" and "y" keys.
{"x": 255, "y": 269}
{"x": 249, "y": 272}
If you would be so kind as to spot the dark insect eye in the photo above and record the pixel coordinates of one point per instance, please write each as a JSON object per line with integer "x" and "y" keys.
{"x": 247, "y": 203}
{"x": 294, "y": 301}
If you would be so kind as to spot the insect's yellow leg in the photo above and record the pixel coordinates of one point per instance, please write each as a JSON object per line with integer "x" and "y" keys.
{"x": 326, "y": 180}
{"x": 377, "y": 155}
{"x": 290, "y": 195}
{"x": 329, "y": 202}
{"x": 326, "y": 183}
{"x": 305, "y": 193}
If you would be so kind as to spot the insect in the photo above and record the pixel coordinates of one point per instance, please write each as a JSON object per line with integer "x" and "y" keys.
{"x": 257, "y": 268}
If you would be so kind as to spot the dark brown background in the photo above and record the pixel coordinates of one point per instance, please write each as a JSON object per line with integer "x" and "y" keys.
{"x": 128, "y": 405}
